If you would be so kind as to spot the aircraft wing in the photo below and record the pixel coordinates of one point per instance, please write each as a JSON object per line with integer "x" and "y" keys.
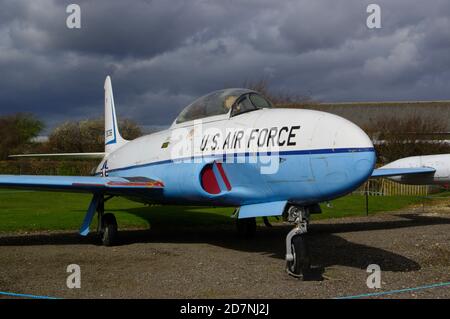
{"x": 62, "y": 155}
{"x": 386, "y": 172}
{"x": 88, "y": 184}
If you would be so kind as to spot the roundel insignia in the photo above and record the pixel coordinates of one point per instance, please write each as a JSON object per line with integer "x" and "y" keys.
{"x": 214, "y": 180}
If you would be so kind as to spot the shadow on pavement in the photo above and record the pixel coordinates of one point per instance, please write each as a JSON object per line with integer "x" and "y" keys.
{"x": 327, "y": 248}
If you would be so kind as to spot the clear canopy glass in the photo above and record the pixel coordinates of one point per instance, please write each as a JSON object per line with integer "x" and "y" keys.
{"x": 221, "y": 102}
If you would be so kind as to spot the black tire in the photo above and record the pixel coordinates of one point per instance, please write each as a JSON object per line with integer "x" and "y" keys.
{"x": 246, "y": 227}
{"x": 109, "y": 229}
{"x": 301, "y": 265}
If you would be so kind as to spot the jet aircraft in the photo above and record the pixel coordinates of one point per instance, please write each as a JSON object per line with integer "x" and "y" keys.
{"x": 228, "y": 148}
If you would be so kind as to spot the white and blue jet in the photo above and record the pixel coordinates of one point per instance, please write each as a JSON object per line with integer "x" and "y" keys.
{"x": 228, "y": 148}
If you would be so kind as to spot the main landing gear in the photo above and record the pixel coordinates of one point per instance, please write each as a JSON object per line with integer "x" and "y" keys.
{"x": 246, "y": 227}
{"x": 107, "y": 224}
{"x": 298, "y": 263}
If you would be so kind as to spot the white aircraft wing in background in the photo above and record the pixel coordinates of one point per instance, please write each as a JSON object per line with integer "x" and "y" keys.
{"x": 389, "y": 172}
{"x": 431, "y": 170}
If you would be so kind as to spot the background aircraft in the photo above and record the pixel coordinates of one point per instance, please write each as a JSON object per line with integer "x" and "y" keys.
{"x": 228, "y": 148}
{"x": 439, "y": 166}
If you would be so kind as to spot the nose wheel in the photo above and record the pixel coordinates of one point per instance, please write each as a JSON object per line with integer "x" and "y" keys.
{"x": 298, "y": 263}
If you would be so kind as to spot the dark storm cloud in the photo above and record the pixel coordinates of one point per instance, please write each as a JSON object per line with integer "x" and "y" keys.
{"x": 163, "y": 54}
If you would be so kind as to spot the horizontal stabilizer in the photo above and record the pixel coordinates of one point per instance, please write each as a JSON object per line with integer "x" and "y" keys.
{"x": 87, "y": 184}
{"x": 386, "y": 172}
{"x": 62, "y": 155}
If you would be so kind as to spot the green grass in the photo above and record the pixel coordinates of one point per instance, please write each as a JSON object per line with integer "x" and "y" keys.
{"x": 32, "y": 211}
{"x": 354, "y": 205}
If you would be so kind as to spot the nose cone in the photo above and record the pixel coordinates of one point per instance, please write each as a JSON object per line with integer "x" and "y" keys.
{"x": 351, "y": 156}
{"x": 363, "y": 153}
{"x": 335, "y": 132}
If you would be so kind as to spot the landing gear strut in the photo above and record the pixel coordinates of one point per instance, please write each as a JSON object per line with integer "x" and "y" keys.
{"x": 298, "y": 262}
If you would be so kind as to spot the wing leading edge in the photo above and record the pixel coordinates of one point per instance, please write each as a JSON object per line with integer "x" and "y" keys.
{"x": 386, "y": 172}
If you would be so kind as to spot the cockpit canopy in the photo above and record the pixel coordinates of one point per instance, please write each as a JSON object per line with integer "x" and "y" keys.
{"x": 236, "y": 101}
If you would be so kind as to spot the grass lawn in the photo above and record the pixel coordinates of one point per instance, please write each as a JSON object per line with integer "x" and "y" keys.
{"x": 31, "y": 211}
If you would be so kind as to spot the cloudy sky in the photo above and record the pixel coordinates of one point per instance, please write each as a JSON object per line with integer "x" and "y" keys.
{"x": 163, "y": 54}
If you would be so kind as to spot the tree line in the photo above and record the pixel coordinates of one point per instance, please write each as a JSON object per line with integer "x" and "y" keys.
{"x": 19, "y": 132}
{"x": 393, "y": 137}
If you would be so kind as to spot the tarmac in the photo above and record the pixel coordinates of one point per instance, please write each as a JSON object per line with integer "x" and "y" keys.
{"x": 411, "y": 247}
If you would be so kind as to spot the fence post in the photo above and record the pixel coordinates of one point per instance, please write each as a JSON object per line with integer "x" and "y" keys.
{"x": 367, "y": 204}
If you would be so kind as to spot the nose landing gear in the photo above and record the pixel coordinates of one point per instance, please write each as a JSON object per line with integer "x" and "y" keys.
{"x": 298, "y": 263}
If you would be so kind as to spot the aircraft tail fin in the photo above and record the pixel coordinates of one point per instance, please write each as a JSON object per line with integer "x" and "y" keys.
{"x": 113, "y": 139}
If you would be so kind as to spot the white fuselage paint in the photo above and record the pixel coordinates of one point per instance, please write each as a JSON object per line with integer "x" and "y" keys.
{"x": 305, "y": 130}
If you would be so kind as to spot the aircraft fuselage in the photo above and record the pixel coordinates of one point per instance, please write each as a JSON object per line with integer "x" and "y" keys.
{"x": 296, "y": 155}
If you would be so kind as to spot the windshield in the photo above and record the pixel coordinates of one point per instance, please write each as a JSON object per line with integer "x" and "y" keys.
{"x": 250, "y": 102}
{"x": 215, "y": 103}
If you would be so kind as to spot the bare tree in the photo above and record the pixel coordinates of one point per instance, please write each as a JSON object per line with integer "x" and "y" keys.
{"x": 414, "y": 135}
{"x": 280, "y": 98}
